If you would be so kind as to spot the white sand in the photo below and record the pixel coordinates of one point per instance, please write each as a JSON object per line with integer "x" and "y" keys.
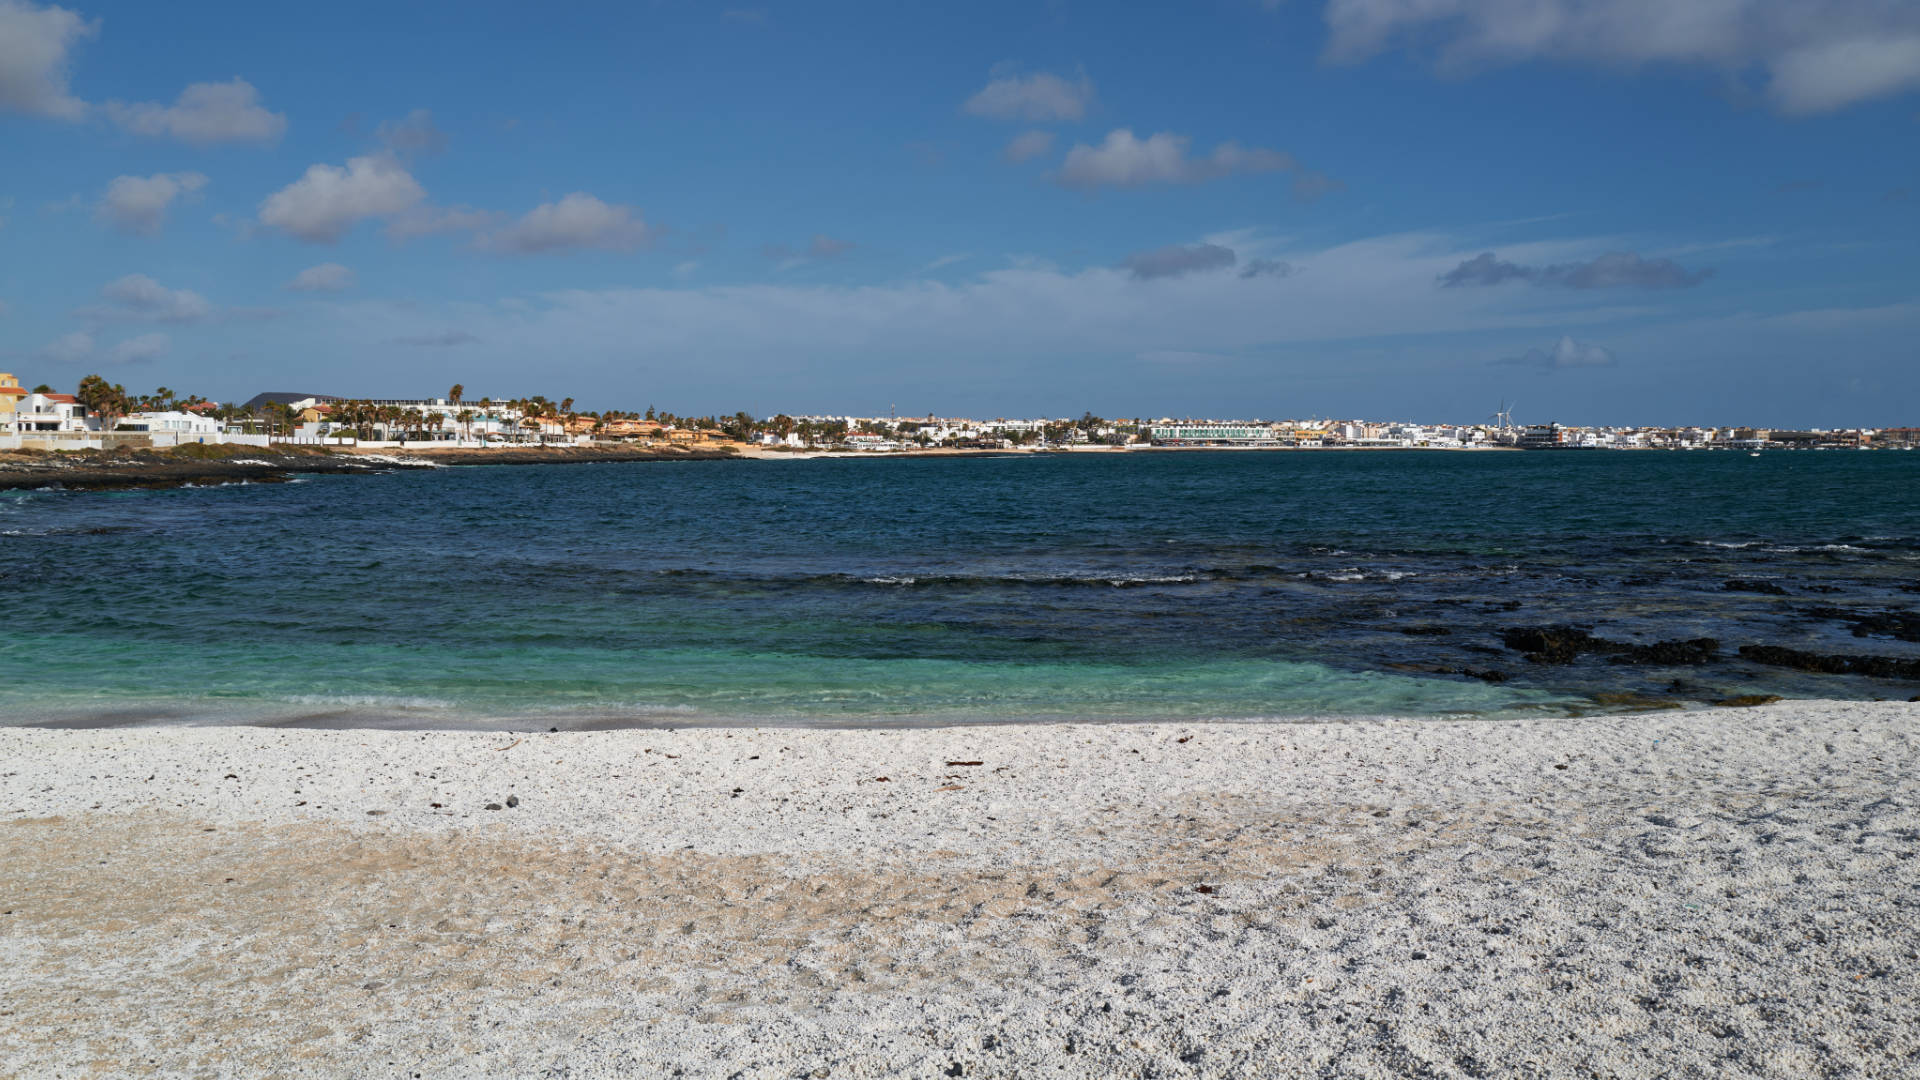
{"x": 1732, "y": 892}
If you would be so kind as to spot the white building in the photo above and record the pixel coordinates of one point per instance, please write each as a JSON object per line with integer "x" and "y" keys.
{"x": 186, "y": 424}
{"x": 51, "y": 412}
{"x": 1214, "y": 433}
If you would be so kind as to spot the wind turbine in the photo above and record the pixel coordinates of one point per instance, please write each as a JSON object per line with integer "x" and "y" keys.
{"x": 1504, "y": 418}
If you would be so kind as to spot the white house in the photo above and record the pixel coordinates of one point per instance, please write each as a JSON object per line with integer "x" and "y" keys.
{"x": 191, "y": 425}
{"x": 50, "y": 412}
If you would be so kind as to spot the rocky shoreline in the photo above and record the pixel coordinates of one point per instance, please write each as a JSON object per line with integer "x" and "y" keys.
{"x": 122, "y": 470}
{"x": 1567, "y": 644}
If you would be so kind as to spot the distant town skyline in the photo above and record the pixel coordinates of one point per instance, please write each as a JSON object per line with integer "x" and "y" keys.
{"x": 1504, "y": 417}
{"x": 1323, "y": 207}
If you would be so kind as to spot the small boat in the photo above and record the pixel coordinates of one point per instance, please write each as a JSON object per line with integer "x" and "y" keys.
{"x": 1754, "y": 453}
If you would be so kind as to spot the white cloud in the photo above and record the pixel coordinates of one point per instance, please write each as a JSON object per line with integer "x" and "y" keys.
{"x": 1616, "y": 269}
{"x": 821, "y": 246}
{"x": 1125, "y": 161}
{"x": 68, "y": 348}
{"x": 1900, "y": 313}
{"x": 79, "y": 347}
{"x": 139, "y": 350}
{"x": 34, "y": 47}
{"x": 1566, "y": 353}
{"x": 1178, "y": 260}
{"x": 429, "y": 220}
{"x": 1817, "y": 55}
{"x": 947, "y": 260}
{"x": 577, "y": 222}
{"x": 209, "y": 112}
{"x": 1027, "y": 146}
{"x": 413, "y": 134}
{"x": 138, "y": 204}
{"x": 1829, "y": 76}
{"x": 1276, "y": 268}
{"x": 327, "y": 277}
{"x": 138, "y": 297}
{"x": 1373, "y": 288}
{"x": 1038, "y": 98}
{"x": 322, "y": 205}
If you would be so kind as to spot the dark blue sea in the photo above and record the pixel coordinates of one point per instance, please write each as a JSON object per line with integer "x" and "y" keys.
{"x": 949, "y": 590}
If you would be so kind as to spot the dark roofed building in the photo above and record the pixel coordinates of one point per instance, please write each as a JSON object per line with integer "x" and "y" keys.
{"x": 278, "y": 398}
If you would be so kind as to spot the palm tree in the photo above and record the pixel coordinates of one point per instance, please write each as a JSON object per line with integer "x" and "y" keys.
{"x": 457, "y": 394}
{"x": 106, "y": 400}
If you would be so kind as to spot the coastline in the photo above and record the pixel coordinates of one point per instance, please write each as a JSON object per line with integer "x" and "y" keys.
{"x": 203, "y": 465}
{"x": 225, "y": 464}
{"x": 1376, "y": 897}
{"x": 197, "y": 465}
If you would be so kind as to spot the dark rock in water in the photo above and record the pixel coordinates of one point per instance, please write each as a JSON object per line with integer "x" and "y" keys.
{"x": 1483, "y": 674}
{"x": 1565, "y": 644}
{"x": 1753, "y": 585}
{"x": 1630, "y": 699}
{"x": 1672, "y": 653}
{"x": 1780, "y": 656}
{"x": 1904, "y": 625}
{"x": 1747, "y": 701}
{"x": 1878, "y": 667}
{"x": 1549, "y": 644}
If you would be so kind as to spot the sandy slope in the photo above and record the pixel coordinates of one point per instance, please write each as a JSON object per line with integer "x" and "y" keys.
{"x": 1732, "y": 892}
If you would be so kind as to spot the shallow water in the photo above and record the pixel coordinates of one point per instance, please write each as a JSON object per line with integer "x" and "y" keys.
{"x": 1118, "y": 587}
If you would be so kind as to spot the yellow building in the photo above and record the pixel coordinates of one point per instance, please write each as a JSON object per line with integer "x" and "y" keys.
{"x": 10, "y": 395}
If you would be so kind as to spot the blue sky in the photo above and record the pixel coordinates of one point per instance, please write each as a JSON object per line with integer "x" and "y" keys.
{"x": 1688, "y": 213}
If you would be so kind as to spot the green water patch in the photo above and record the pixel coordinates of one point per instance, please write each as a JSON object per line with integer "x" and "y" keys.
{"x": 224, "y": 679}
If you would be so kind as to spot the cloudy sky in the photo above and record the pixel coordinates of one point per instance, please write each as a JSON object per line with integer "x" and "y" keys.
{"x": 1603, "y": 210}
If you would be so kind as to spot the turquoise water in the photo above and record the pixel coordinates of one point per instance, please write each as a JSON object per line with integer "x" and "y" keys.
{"x": 907, "y": 591}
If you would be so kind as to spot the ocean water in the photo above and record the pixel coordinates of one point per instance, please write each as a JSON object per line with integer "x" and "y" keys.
{"x": 947, "y": 590}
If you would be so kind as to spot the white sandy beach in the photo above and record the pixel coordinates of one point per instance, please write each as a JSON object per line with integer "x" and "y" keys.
{"x": 1729, "y": 892}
